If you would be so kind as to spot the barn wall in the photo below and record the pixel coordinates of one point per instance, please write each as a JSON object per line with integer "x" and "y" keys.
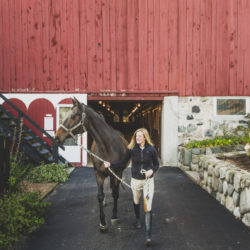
{"x": 40, "y": 106}
{"x": 185, "y": 47}
{"x": 198, "y": 119}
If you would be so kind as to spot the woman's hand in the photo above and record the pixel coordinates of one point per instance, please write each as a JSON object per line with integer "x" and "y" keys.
{"x": 107, "y": 164}
{"x": 149, "y": 173}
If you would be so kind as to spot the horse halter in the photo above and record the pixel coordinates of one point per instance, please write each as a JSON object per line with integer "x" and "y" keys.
{"x": 79, "y": 124}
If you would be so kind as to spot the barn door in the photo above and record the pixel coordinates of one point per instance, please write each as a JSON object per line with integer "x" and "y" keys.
{"x": 72, "y": 152}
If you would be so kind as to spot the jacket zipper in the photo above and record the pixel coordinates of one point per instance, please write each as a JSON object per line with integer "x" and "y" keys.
{"x": 141, "y": 159}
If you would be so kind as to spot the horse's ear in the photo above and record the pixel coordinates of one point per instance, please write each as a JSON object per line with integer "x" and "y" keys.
{"x": 73, "y": 101}
{"x": 76, "y": 103}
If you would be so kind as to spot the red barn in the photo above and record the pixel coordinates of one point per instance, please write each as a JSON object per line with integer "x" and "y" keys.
{"x": 179, "y": 68}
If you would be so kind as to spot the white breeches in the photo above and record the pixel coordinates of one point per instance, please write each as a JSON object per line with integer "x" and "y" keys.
{"x": 148, "y": 192}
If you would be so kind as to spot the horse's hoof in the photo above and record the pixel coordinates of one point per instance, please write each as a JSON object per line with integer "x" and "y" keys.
{"x": 148, "y": 242}
{"x": 114, "y": 221}
{"x": 103, "y": 228}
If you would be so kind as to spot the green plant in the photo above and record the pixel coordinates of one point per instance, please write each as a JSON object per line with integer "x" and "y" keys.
{"x": 218, "y": 141}
{"x": 20, "y": 215}
{"x": 18, "y": 170}
{"x": 18, "y": 164}
{"x": 48, "y": 173}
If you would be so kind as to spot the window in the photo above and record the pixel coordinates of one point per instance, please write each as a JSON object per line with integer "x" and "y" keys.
{"x": 231, "y": 107}
{"x": 62, "y": 113}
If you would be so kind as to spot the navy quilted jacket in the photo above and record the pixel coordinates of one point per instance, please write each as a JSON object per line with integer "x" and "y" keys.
{"x": 145, "y": 158}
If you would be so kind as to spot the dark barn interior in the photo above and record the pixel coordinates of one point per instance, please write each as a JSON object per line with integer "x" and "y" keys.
{"x": 127, "y": 116}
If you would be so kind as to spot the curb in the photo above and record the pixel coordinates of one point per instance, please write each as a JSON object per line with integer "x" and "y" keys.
{"x": 54, "y": 185}
{"x": 194, "y": 176}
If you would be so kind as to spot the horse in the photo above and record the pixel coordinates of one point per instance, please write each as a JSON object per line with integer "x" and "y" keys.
{"x": 108, "y": 143}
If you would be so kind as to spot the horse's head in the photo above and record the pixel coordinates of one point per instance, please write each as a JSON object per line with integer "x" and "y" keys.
{"x": 73, "y": 122}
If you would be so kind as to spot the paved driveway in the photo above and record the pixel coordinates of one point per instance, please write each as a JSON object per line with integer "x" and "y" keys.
{"x": 185, "y": 217}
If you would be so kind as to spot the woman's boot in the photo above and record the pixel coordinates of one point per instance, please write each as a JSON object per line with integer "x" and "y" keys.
{"x": 148, "y": 226}
{"x": 137, "y": 216}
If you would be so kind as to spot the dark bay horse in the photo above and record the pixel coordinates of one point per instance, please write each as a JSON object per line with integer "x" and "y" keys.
{"x": 108, "y": 144}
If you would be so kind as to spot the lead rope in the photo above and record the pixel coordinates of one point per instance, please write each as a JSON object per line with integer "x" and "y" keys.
{"x": 69, "y": 131}
{"x": 143, "y": 171}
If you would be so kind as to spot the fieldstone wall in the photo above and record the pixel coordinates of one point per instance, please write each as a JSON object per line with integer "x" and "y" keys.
{"x": 228, "y": 184}
{"x": 189, "y": 158}
{"x": 197, "y": 120}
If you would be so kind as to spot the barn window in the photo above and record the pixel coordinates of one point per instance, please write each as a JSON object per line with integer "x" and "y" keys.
{"x": 231, "y": 107}
{"x": 62, "y": 113}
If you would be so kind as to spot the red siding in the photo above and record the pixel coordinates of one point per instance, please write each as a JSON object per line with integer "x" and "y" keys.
{"x": 45, "y": 107}
{"x": 17, "y": 103}
{"x": 194, "y": 47}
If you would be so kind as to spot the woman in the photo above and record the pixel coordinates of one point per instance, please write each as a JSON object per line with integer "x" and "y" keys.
{"x": 144, "y": 164}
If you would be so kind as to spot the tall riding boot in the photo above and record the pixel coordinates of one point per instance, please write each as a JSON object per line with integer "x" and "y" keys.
{"x": 137, "y": 216}
{"x": 148, "y": 226}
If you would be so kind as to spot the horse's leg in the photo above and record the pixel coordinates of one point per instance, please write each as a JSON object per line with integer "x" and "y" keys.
{"x": 100, "y": 197}
{"x": 114, "y": 183}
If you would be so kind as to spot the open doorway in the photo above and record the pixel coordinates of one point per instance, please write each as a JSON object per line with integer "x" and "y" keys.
{"x": 127, "y": 116}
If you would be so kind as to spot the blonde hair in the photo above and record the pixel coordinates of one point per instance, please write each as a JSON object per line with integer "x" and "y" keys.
{"x": 146, "y": 136}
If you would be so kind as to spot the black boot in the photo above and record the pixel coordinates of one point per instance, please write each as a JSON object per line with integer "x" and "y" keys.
{"x": 148, "y": 226}
{"x": 137, "y": 216}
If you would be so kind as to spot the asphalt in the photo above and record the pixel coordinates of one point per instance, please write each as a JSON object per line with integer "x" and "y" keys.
{"x": 185, "y": 217}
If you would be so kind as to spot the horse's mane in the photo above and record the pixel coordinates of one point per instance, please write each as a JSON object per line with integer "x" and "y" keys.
{"x": 107, "y": 140}
{"x": 90, "y": 111}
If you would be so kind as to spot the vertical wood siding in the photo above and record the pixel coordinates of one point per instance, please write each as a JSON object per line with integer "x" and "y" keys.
{"x": 195, "y": 47}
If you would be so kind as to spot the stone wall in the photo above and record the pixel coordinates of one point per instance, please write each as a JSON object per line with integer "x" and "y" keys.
{"x": 188, "y": 159}
{"x": 197, "y": 119}
{"x": 228, "y": 184}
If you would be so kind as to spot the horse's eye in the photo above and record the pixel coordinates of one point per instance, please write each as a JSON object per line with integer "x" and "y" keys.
{"x": 73, "y": 117}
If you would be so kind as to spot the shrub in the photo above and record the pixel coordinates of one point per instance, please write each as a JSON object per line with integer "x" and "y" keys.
{"x": 48, "y": 173}
{"x": 20, "y": 215}
{"x": 18, "y": 170}
{"x": 218, "y": 141}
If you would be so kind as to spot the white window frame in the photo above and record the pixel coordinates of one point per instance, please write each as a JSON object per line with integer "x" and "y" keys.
{"x": 231, "y": 117}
